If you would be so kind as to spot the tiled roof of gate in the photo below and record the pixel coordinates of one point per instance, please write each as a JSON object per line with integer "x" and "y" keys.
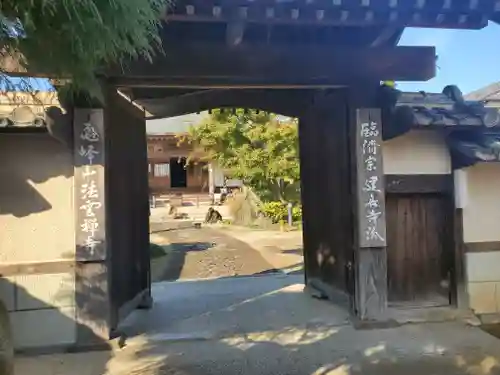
{"x": 472, "y": 125}
{"x": 431, "y": 109}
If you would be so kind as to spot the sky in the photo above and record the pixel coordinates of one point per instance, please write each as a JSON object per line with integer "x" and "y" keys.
{"x": 469, "y": 59}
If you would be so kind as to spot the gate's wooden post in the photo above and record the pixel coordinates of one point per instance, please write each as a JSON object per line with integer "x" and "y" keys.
{"x": 326, "y": 195}
{"x": 127, "y": 208}
{"x": 370, "y": 256}
{"x": 91, "y": 269}
{"x": 343, "y": 199}
{"x": 369, "y": 223}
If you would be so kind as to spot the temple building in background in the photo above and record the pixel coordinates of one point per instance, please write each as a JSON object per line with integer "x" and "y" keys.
{"x": 168, "y": 169}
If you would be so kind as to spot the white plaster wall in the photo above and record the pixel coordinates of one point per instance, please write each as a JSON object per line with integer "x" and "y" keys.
{"x": 416, "y": 152}
{"x": 483, "y": 281}
{"x": 481, "y": 223}
{"x": 37, "y": 225}
{"x": 482, "y": 212}
{"x": 218, "y": 174}
{"x": 36, "y": 199}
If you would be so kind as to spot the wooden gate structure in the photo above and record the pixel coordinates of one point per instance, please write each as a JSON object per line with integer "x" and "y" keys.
{"x": 321, "y": 61}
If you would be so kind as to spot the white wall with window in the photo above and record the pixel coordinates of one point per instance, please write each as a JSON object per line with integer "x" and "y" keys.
{"x": 161, "y": 170}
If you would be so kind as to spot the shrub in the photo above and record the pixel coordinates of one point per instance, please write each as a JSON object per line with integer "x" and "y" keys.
{"x": 297, "y": 213}
{"x": 244, "y": 207}
{"x": 156, "y": 251}
{"x": 278, "y": 211}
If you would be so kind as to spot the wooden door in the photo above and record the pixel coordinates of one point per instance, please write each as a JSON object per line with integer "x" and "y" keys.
{"x": 419, "y": 248}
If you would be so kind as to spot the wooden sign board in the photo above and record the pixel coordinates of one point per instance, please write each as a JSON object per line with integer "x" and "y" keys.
{"x": 370, "y": 179}
{"x": 89, "y": 177}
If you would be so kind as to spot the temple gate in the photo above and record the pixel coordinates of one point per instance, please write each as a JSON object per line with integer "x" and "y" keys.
{"x": 319, "y": 61}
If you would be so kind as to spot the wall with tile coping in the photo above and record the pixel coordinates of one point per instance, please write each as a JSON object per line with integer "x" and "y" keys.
{"x": 37, "y": 225}
{"x": 46, "y": 189}
{"x": 425, "y": 152}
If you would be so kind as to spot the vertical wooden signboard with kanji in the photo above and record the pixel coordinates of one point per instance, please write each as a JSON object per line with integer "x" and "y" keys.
{"x": 371, "y": 242}
{"x": 89, "y": 185}
{"x": 91, "y": 270}
{"x": 371, "y": 194}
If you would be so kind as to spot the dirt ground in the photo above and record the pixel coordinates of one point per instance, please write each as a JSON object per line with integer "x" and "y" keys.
{"x": 268, "y": 326}
{"x": 207, "y": 253}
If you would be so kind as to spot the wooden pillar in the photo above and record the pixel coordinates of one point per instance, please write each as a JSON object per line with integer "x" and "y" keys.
{"x": 112, "y": 272}
{"x": 369, "y": 214}
{"x": 343, "y": 200}
{"x": 326, "y": 195}
{"x": 127, "y": 208}
{"x": 91, "y": 238}
{"x": 369, "y": 223}
{"x": 459, "y": 294}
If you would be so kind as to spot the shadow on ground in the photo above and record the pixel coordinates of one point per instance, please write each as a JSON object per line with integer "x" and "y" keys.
{"x": 269, "y": 326}
{"x": 200, "y": 253}
{"x": 177, "y": 258}
{"x": 298, "y": 251}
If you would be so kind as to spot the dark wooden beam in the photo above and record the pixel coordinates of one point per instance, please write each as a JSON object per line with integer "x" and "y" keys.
{"x": 317, "y": 19}
{"x": 482, "y": 247}
{"x": 216, "y": 65}
{"x": 235, "y": 31}
{"x": 418, "y": 184}
{"x": 152, "y": 93}
{"x": 460, "y": 297}
{"x": 390, "y": 35}
{"x": 460, "y": 15}
{"x": 285, "y": 102}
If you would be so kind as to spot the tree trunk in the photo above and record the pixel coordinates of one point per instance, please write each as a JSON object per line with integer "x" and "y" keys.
{"x": 278, "y": 188}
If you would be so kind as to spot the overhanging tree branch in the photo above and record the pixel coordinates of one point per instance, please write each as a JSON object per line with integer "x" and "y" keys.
{"x": 74, "y": 39}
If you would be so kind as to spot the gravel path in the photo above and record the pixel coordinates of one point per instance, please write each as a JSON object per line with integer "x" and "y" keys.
{"x": 207, "y": 253}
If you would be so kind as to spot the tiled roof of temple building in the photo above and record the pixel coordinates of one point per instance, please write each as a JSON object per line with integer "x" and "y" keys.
{"x": 490, "y": 95}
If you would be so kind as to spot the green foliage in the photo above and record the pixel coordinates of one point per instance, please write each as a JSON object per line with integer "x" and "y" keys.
{"x": 257, "y": 147}
{"x": 75, "y": 38}
{"x": 297, "y": 213}
{"x": 278, "y": 212}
